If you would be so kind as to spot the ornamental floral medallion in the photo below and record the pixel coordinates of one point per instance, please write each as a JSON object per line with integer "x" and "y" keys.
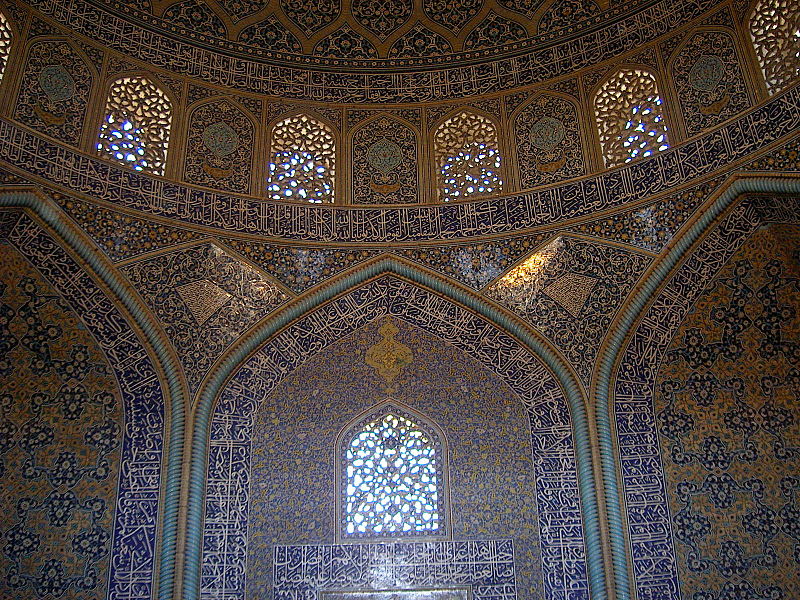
{"x": 546, "y": 134}
{"x": 384, "y": 155}
{"x": 388, "y": 357}
{"x": 56, "y": 83}
{"x": 706, "y": 73}
{"x": 221, "y": 139}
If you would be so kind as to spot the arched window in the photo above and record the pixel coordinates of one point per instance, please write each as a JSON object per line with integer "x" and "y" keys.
{"x": 135, "y": 128}
{"x": 775, "y": 28}
{"x": 302, "y": 162}
{"x": 392, "y": 476}
{"x": 467, "y": 157}
{"x": 630, "y": 117}
{"x": 5, "y": 43}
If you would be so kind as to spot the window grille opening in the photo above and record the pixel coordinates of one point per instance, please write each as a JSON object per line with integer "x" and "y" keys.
{"x": 775, "y": 31}
{"x": 467, "y": 157}
{"x": 630, "y": 117}
{"x": 5, "y": 43}
{"x": 392, "y": 478}
{"x": 135, "y": 129}
{"x": 302, "y": 163}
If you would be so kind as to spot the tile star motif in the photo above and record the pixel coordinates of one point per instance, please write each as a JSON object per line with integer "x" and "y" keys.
{"x": 203, "y": 299}
{"x": 571, "y": 291}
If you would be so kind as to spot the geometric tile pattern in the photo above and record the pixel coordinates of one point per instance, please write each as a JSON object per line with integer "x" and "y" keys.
{"x": 485, "y": 567}
{"x": 729, "y": 425}
{"x": 225, "y": 297}
{"x": 227, "y": 484}
{"x": 569, "y": 290}
{"x": 133, "y": 542}
{"x": 654, "y": 560}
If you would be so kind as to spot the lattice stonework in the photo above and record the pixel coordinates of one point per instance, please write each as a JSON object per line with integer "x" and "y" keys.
{"x": 775, "y": 28}
{"x": 467, "y": 157}
{"x": 392, "y": 479}
{"x": 5, "y": 43}
{"x": 135, "y": 129}
{"x": 302, "y": 160}
{"x": 630, "y": 117}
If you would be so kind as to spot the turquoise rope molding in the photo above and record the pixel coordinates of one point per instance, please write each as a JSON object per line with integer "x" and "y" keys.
{"x": 56, "y": 221}
{"x": 389, "y": 265}
{"x": 632, "y": 311}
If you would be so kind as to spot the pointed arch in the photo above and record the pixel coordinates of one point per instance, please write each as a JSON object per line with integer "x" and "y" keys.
{"x": 135, "y": 128}
{"x": 391, "y": 286}
{"x": 607, "y": 391}
{"x": 115, "y": 327}
{"x": 302, "y": 159}
{"x": 548, "y": 140}
{"x": 385, "y": 161}
{"x": 708, "y": 78}
{"x": 55, "y": 88}
{"x": 630, "y": 116}
{"x": 466, "y": 149}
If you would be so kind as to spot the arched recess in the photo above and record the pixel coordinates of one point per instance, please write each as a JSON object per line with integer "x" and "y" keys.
{"x": 467, "y": 158}
{"x": 135, "y": 127}
{"x": 631, "y": 114}
{"x": 8, "y": 35}
{"x": 389, "y": 286}
{"x": 55, "y": 89}
{"x": 548, "y": 140}
{"x": 220, "y": 145}
{"x": 641, "y": 543}
{"x": 160, "y": 497}
{"x": 303, "y": 158}
{"x": 385, "y": 162}
{"x": 707, "y": 74}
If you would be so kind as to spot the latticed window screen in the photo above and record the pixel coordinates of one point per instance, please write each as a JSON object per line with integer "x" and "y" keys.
{"x": 302, "y": 160}
{"x": 775, "y": 29}
{"x": 630, "y": 117}
{"x": 392, "y": 479}
{"x": 467, "y": 157}
{"x": 135, "y": 128}
{"x": 5, "y": 43}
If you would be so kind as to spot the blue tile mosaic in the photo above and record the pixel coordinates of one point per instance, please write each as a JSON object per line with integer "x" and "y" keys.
{"x": 133, "y": 546}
